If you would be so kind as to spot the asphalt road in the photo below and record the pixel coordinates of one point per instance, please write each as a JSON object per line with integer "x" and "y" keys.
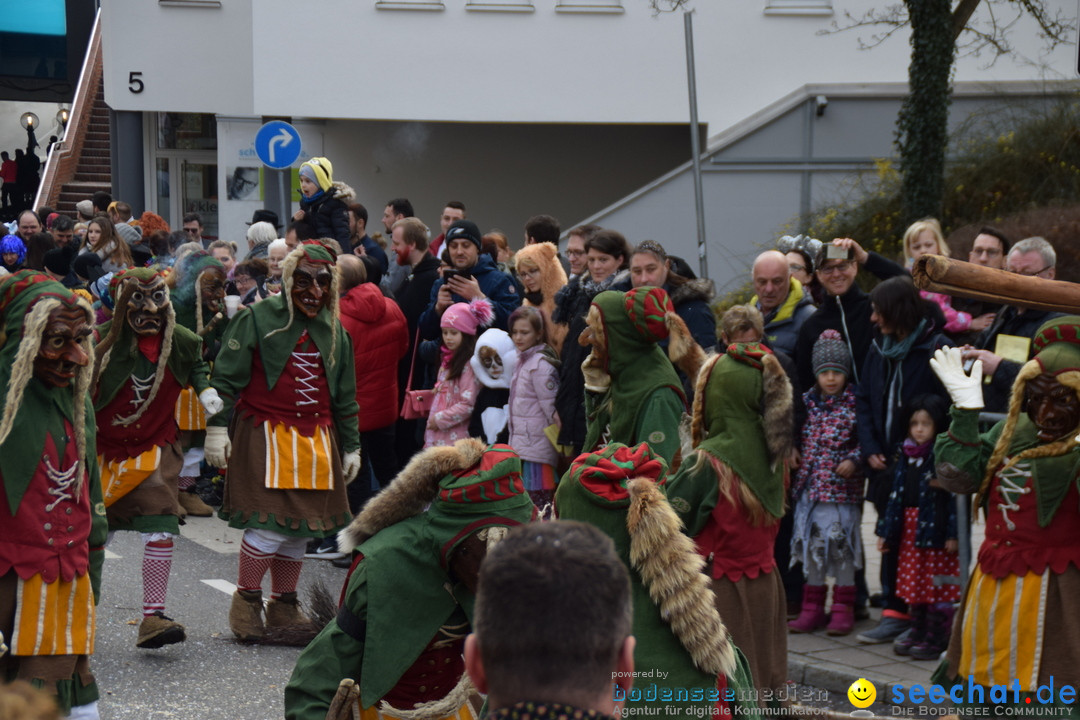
{"x": 210, "y": 676}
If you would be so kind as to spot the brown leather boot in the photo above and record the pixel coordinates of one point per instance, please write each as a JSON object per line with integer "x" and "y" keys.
{"x": 193, "y": 505}
{"x": 285, "y": 611}
{"x": 157, "y": 631}
{"x": 245, "y": 615}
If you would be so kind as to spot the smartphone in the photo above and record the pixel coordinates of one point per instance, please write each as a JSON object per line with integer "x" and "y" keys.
{"x": 454, "y": 272}
{"x": 832, "y": 252}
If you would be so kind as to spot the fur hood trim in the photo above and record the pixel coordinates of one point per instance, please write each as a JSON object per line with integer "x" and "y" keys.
{"x": 697, "y": 289}
{"x": 778, "y": 417}
{"x": 343, "y": 192}
{"x": 414, "y": 488}
{"x": 671, "y": 569}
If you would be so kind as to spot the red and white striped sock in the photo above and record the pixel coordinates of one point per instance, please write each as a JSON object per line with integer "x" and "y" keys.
{"x": 185, "y": 482}
{"x": 157, "y": 560}
{"x": 284, "y": 575}
{"x": 253, "y": 566}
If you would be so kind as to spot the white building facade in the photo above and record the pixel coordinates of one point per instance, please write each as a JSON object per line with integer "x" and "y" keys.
{"x": 515, "y": 107}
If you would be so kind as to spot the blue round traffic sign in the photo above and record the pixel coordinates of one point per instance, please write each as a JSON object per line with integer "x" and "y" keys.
{"x": 277, "y": 143}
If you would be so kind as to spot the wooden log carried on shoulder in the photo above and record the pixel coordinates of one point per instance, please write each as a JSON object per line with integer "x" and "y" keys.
{"x": 968, "y": 280}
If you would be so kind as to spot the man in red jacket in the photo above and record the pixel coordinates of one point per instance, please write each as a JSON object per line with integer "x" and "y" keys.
{"x": 380, "y": 338}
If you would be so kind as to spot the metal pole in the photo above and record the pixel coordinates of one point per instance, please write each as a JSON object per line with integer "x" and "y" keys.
{"x": 286, "y": 207}
{"x": 695, "y": 144}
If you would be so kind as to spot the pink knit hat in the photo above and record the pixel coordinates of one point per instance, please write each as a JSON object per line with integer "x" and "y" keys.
{"x": 467, "y": 317}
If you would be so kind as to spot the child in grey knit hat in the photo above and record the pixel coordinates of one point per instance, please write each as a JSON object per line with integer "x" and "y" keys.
{"x": 828, "y": 493}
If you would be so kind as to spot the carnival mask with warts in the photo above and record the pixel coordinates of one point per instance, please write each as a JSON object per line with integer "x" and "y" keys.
{"x": 1053, "y": 408}
{"x": 491, "y": 361}
{"x": 311, "y": 287}
{"x": 212, "y": 290}
{"x": 62, "y": 353}
{"x": 146, "y": 306}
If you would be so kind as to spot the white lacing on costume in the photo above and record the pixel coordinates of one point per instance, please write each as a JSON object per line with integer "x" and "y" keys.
{"x": 1012, "y": 482}
{"x": 139, "y": 386}
{"x": 306, "y": 362}
{"x": 60, "y": 483}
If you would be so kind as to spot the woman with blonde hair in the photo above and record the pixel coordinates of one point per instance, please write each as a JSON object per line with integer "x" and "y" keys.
{"x": 542, "y": 276}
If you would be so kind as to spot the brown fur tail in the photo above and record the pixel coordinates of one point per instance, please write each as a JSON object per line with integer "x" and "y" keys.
{"x": 671, "y": 569}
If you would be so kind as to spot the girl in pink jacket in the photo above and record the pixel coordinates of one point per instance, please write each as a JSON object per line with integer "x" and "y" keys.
{"x": 457, "y": 386}
{"x": 532, "y": 404}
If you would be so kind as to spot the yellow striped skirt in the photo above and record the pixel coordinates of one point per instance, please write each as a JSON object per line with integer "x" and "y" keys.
{"x": 189, "y": 411}
{"x": 298, "y": 462}
{"x": 54, "y": 618}
{"x": 1003, "y": 629}
{"x": 119, "y": 477}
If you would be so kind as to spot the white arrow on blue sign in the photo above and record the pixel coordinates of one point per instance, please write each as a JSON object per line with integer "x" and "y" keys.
{"x": 277, "y": 143}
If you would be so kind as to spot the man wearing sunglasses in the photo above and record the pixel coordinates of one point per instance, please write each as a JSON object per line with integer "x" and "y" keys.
{"x": 193, "y": 227}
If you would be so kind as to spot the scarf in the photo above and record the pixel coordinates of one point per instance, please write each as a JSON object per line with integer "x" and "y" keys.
{"x": 447, "y": 356}
{"x": 912, "y": 449}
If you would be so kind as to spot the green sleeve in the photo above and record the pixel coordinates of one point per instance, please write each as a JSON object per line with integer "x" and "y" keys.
{"x": 658, "y": 424}
{"x": 693, "y": 494}
{"x": 963, "y": 445}
{"x": 199, "y": 377}
{"x": 232, "y": 368}
{"x": 344, "y": 394}
{"x": 99, "y": 525}
{"x": 327, "y": 660}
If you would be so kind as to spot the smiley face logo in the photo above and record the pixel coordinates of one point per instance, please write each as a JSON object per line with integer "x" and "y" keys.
{"x": 862, "y": 693}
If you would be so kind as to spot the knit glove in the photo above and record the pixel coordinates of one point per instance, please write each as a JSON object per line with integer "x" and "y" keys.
{"x": 965, "y": 390}
{"x": 350, "y": 465}
{"x": 211, "y": 401}
{"x": 217, "y": 446}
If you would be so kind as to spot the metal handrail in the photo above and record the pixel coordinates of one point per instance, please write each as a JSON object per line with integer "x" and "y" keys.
{"x": 80, "y": 108}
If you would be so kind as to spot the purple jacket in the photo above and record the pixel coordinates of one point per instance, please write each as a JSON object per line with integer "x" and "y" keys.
{"x": 828, "y": 439}
{"x": 532, "y": 406}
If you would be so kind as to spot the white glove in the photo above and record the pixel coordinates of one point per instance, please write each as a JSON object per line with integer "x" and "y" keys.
{"x": 217, "y": 446}
{"x": 3, "y": 647}
{"x": 350, "y": 465}
{"x": 211, "y": 401}
{"x": 965, "y": 390}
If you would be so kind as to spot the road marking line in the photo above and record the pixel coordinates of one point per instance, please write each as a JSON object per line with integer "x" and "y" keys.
{"x": 110, "y": 555}
{"x": 223, "y": 585}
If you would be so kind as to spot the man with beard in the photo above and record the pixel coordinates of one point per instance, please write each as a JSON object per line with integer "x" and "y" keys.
{"x": 144, "y": 362}
{"x": 410, "y": 246}
{"x": 198, "y": 299}
{"x": 54, "y": 528}
{"x": 287, "y": 377}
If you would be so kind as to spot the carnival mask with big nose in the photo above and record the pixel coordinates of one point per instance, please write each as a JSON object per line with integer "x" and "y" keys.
{"x": 61, "y": 353}
{"x": 1053, "y": 408}
{"x": 311, "y": 287}
{"x": 146, "y": 306}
